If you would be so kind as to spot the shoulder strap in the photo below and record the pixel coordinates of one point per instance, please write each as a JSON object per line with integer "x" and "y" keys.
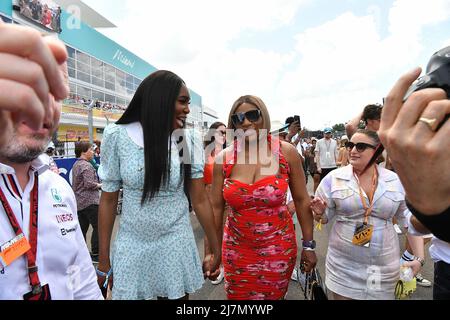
{"x": 229, "y": 161}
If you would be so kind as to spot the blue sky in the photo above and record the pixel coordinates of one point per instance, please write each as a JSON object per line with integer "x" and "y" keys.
{"x": 322, "y": 59}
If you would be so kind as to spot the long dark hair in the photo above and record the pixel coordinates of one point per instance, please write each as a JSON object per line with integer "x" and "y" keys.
{"x": 210, "y": 138}
{"x": 153, "y": 105}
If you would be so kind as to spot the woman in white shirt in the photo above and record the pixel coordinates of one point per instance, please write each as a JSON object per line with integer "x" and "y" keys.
{"x": 362, "y": 259}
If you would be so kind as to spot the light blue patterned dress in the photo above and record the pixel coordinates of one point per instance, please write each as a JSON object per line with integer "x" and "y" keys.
{"x": 155, "y": 253}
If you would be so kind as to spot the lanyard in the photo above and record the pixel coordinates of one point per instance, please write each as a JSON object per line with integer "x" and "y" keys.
{"x": 368, "y": 207}
{"x": 31, "y": 254}
{"x": 328, "y": 145}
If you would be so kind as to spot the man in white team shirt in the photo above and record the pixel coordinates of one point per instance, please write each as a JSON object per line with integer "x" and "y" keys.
{"x": 46, "y": 258}
{"x": 326, "y": 153}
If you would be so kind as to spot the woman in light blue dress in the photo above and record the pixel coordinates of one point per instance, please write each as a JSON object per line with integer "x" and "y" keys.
{"x": 157, "y": 164}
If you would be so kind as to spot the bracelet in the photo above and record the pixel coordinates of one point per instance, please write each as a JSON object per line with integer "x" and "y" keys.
{"x": 104, "y": 274}
{"x": 422, "y": 261}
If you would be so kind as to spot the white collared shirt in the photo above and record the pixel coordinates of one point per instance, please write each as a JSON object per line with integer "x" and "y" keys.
{"x": 63, "y": 259}
{"x": 340, "y": 190}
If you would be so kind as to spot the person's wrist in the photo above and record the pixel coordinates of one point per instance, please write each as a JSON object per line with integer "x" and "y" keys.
{"x": 104, "y": 273}
{"x": 309, "y": 245}
{"x": 421, "y": 260}
{"x": 427, "y": 207}
{"x": 317, "y": 216}
{"x": 103, "y": 263}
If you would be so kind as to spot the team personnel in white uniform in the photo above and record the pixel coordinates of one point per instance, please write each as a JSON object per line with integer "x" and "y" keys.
{"x": 46, "y": 258}
{"x": 62, "y": 257}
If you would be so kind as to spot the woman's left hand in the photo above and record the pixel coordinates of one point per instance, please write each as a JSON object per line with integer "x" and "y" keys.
{"x": 414, "y": 265}
{"x": 308, "y": 260}
{"x": 206, "y": 266}
{"x": 211, "y": 266}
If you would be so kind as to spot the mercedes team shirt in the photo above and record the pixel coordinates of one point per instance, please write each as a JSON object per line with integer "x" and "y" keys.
{"x": 63, "y": 259}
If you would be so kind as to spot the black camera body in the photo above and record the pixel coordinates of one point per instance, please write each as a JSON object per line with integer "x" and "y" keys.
{"x": 437, "y": 76}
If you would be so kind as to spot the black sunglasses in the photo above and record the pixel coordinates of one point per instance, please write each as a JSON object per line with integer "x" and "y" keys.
{"x": 360, "y": 146}
{"x": 252, "y": 116}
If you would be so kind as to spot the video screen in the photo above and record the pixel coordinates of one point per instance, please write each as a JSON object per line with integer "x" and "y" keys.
{"x": 44, "y": 12}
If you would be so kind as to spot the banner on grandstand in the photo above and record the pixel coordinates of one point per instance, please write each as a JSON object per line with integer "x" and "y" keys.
{"x": 79, "y": 109}
{"x": 74, "y": 133}
{"x": 111, "y": 116}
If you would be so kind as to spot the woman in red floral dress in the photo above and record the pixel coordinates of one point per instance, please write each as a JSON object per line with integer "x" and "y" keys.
{"x": 259, "y": 246}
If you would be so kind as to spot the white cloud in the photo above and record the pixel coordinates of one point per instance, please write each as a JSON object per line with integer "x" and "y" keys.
{"x": 445, "y": 43}
{"x": 345, "y": 64}
{"x": 175, "y": 32}
{"x": 407, "y": 17}
{"x": 335, "y": 69}
{"x": 341, "y": 63}
{"x": 192, "y": 38}
{"x": 227, "y": 75}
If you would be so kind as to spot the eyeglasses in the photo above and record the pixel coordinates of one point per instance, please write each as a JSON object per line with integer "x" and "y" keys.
{"x": 252, "y": 116}
{"x": 221, "y": 132}
{"x": 360, "y": 146}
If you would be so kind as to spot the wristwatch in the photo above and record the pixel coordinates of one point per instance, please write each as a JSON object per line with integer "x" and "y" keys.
{"x": 309, "y": 245}
{"x": 421, "y": 260}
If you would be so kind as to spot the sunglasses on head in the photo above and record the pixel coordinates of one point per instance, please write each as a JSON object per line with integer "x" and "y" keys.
{"x": 360, "y": 146}
{"x": 252, "y": 116}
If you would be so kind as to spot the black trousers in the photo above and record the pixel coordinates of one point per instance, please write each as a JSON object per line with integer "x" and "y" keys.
{"x": 441, "y": 288}
{"x": 325, "y": 172}
{"x": 86, "y": 217}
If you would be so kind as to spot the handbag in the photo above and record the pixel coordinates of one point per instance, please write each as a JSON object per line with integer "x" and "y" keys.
{"x": 312, "y": 285}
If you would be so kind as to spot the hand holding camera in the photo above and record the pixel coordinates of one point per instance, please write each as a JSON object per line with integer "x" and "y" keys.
{"x": 414, "y": 123}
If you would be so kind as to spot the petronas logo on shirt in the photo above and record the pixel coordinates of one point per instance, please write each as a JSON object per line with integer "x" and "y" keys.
{"x": 56, "y": 195}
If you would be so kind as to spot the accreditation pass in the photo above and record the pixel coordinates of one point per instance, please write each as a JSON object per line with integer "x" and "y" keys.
{"x": 13, "y": 249}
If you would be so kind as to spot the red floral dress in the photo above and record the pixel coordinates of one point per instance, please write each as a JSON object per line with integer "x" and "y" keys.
{"x": 259, "y": 245}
